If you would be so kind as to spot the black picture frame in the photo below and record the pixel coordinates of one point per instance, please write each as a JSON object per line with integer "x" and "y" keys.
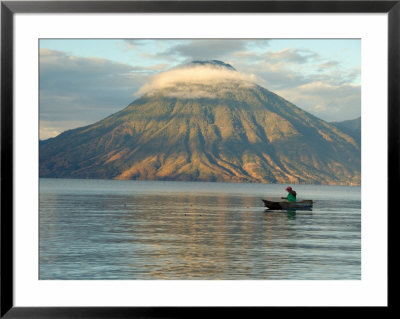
{"x": 9, "y": 8}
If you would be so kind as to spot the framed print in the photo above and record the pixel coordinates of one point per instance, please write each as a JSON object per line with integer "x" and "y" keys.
{"x": 166, "y": 158}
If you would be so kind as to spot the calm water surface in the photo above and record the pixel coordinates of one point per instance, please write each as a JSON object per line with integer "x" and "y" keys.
{"x": 99, "y": 229}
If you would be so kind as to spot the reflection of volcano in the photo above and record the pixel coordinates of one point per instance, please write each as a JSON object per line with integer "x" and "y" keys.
{"x": 207, "y": 122}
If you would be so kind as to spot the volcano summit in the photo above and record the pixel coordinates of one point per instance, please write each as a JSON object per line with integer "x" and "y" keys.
{"x": 205, "y": 121}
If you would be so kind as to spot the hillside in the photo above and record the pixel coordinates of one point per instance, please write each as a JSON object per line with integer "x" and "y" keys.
{"x": 351, "y": 127}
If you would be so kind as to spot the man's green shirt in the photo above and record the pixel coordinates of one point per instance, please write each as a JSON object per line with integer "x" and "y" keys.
{"x": 291, "y": 198}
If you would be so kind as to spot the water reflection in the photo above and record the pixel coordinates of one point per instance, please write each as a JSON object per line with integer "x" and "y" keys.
{"x": 193, "y": 236}
{"x": 290, "y": 214}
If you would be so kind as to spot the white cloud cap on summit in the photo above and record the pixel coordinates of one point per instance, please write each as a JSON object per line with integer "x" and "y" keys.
{"x": 194, "y": 79}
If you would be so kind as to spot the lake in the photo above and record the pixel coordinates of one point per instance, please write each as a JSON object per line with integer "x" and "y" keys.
{"x": 127, "y": 230}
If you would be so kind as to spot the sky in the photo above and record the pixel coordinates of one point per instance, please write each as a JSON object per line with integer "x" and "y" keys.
{"x": 82, "y": 81}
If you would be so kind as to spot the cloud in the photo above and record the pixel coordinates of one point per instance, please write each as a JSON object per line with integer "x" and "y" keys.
{"x": 290, "y": 72}
{"x": 325, "y": 88}
{"x": 194, "y": 80}
{"x": 328, "y": 101}
{"x": 135, "y": 43}
{"x": 273, "y": 76}
{"x": 328, "y": 65}
{"x": 51, "y": 60}
{"x": 87, "y": 89}
{"x": 152, "y": 68}
{"x": 290, "y": 56}
{"x": 208, "y": 49}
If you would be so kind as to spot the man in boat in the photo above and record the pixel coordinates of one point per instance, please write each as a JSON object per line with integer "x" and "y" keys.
{"x": 291, "y": 196}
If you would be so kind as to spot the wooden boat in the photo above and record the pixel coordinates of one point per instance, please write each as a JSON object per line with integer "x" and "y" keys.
{"x": 301, "y": 205}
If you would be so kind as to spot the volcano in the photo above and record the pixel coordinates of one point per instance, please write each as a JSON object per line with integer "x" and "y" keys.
{"x": 205, "y": 121}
